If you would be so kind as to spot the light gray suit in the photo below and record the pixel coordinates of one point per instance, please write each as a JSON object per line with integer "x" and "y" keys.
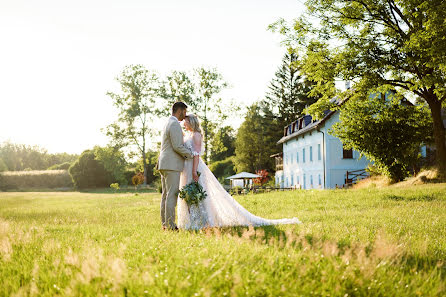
{"x": 170, "y": 164}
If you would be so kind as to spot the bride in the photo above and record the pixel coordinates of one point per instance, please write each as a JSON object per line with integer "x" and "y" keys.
{"x": 218, "y": 209}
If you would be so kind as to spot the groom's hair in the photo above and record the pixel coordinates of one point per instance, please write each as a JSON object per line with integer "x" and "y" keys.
{"x": 178, "y": 105}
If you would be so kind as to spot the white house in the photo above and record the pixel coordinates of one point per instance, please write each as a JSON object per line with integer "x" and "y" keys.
{"x": 312, "y": 158}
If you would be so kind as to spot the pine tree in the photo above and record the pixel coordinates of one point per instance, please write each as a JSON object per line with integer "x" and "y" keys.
{"x": 288, "y": 92}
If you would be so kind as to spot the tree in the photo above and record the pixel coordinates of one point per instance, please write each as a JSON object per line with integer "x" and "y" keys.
{"x": 222, "y": 144}
{"x": 3, "y": 166}
{"x": 137, "y": 106}
{"x": 222, "y": 169}
{"x": 88, "y": 172}
{"x": 379, "y": 45}
{"x": 178, "y": 86}
{"x": 99, "y": 167}
{"x": 210, "y": 83}
{"x": 199, "y": 91}
{"x": 263, "y": 179}
{"x": 288, "y": 91}
{"x": 386, "y": 131}
{"x": 113, "y": 161}
{"x": 256, "y": 140}
{"x": 151, "y": 160}
{"x": 20, "y": 157}
{"x": 63, "y": 166}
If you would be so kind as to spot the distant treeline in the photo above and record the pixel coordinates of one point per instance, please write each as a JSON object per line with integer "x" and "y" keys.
{"x": 18, "y": 157}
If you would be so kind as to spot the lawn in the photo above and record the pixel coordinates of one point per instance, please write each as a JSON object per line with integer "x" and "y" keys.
{"x": 365, "y": 242}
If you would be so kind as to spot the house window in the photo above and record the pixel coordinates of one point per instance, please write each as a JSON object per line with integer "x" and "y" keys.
{"x": 297, "y": 179}
{"x": 297, "y": 157}
{"x": 311, "y": 154}
{"x": 319, "y": 151}
{"x": 305, "y": 181}
{"x": 292, "y": 179}
{"x": 320, "y": 180}
{"x": 303, "y": 155}
{"x": 287, "y": 182}
{"x": 347, "y": 154}
{"x": 311, "y": 180}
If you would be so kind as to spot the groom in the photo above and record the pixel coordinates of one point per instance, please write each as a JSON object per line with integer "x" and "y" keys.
{"x": 171, "y": 163}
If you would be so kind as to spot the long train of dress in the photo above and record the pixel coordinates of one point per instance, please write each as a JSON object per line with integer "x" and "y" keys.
{"x": 219, "y": 209}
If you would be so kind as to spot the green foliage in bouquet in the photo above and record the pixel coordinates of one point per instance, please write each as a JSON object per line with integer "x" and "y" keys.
{"x": 193, "y": 193}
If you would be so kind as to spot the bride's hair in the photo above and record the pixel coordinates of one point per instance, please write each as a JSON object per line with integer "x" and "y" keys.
{"x": 194, "y": 122}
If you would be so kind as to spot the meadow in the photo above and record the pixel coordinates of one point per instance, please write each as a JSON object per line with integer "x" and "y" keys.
{"x": 357, "y": 242}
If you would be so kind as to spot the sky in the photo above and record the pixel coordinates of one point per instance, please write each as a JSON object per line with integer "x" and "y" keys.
{"x": 58, "y": 58}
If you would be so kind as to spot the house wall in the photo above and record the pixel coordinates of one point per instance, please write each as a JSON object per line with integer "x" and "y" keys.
{"x": 309, "y": 173}
{"x": 302, "y": 167}
{"x": 337, "y": 166}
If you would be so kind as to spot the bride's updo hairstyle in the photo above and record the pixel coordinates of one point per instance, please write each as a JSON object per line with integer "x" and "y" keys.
{"x": 194, "y": 122}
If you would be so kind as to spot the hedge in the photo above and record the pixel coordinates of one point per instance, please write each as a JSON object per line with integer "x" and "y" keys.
{"x": 43, "y": 179}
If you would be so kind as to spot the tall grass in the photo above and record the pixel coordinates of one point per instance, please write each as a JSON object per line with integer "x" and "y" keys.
{"x": 37, "y": 179}
{"x": 367, "y": 242}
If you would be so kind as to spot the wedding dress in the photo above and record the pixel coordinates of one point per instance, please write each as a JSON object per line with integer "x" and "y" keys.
{"x": 218, "y": 209}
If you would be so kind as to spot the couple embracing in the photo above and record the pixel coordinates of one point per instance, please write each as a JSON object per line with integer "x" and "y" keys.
{"x": 180, "y": 164}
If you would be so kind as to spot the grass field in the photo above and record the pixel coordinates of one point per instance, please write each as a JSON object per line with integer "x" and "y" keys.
{"x": 365, "y": 242}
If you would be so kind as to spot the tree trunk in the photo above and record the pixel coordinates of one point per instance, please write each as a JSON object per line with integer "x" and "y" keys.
{"x": 144, "y": 162}
{"x": 205, "y": 139}
{"x": 439, "y": 136}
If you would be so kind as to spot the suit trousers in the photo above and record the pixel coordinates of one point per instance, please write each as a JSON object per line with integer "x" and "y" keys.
{"x": 170, "y": 183}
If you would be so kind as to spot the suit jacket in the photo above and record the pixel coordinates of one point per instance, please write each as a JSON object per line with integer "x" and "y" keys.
{"x": 173, "y": 151}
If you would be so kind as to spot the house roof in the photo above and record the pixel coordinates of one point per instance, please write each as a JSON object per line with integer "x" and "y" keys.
{"x": 328, "y": 114}
{"x": 309, "y": 127}
{"x": 242, "y": 175}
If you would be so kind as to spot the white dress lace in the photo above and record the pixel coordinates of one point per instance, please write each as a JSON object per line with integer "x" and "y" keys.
{"x": 219, "y": 209}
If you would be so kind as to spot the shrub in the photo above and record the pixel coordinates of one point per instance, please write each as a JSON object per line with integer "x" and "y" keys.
{"x": 21, "y": 180}
{"x": 88, "y": 172}
{"x": 113, "y": 161}
{"x": 128, "y": 174}
{"x": 223, "y": 169}
{"x": 263, "y": 177}
{"x": 138, "y": 179}
{"x": 237, "y": 190}
{"x": 114, "y": 186}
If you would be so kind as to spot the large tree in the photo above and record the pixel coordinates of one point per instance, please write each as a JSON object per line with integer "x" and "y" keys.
{"x": 138, "y": 108}
{"x": 199, "y": 90}
{"x": 379, "y": 45}
{"x": 222, "y": 144}
{"x": 256, "y": 140}
{"x": 20, "y": 157}
{"x": 288, "y": 94}
{"x": 387, "y": 130}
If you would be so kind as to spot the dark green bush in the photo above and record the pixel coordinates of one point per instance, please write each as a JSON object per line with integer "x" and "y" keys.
{"x": 88, "y": 172}
{"x": 223, "y": 169}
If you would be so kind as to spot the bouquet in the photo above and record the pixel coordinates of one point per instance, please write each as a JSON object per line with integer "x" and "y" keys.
{"x": 193, "y": 193}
